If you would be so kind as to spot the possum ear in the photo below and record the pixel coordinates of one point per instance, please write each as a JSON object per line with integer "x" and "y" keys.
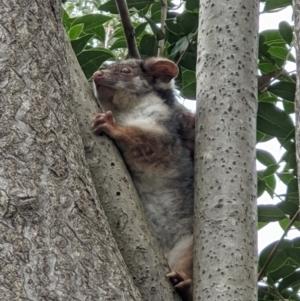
{"x": 161, "y": 68}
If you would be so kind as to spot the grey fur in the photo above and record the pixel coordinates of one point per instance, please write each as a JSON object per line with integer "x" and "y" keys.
{"x": 150, "y": 104}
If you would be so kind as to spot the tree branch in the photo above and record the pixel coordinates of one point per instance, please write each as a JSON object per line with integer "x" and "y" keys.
{"x": 128, "y": 29}
{"x": 119, "y": 199}
{"x": 161, "y": 43}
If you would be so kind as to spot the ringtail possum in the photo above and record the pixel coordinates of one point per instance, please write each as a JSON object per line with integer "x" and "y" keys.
{"x": 155, "y": 135}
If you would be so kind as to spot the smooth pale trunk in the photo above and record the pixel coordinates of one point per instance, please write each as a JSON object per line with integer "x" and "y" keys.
{"x": 225, "y": 252}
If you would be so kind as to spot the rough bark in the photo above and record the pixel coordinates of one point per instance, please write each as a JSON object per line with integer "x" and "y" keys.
{"x": 225, "y": 255}
{"x": 119, "y": 198}
{"x": 53, "y": 87}
{"x": 55, "y": 240}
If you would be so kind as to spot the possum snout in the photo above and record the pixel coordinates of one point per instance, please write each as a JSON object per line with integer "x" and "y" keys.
{"x": 97, "y": 76}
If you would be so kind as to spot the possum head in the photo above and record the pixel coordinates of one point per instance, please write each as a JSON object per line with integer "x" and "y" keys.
{"x": 123, "y": 84}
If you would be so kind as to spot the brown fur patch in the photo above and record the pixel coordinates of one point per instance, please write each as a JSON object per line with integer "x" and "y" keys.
{"x": 140, "y": 148}
{"x": 143, "y": 149}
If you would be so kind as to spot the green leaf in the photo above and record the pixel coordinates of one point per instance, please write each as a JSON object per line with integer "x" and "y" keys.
{"x": 285, "y": 90}
{"x": 261, "y": 137}
{"x": 279, "y": 62}
{"x": 139, "y": 4}
{"x": 284, "y": 223}
{"x": 265, "y": 253}
{"x": 192, "y": 5}
{"x": 272, "y": 37}
{"x": 269, "y": 213}
{"x": 267, "y": 68}
{"x": 294, "y": 254}
{"x": 181, "y": 46}
{"x": 171, "y": 37}
{"x": 263, "y": 48}
{"x": 273, "y": 121}
{"x": 148, "y": 45}
{"x": 120, "y": 43}
{"x": 145, "y": 10}
{"x": 296, "y": 242}
{"x": 288, "y": 207}
{"x": 282, "y": 272}
{"x": 156, "y": 12}
{"x": 260, "y": 225}
{"x": 184, "y": 24}
{"x": 289, "y": 107}
{"x": 297, "y": 224}
{"x": 272, "y": 99}
{"x": 287, "y": 78}
{"x": 285, "y": 177}
{"x": 270, "y": 184}
{"x": 140, "y": 29}
{"x": 292, "y": 191}
{"x": 265, "y": 157}
{"x": 286, "y": 31}
{"x": 75, "y": 31}
{"x": 79, "y": 44}
{"x": 90, "y": 21}
{"x": 279, "y": 52}
{"x": 261, "y": 186}
{"x": 155, "y": 29}
{"x": 275, "y": 4}
{"x": 288, "y": 141}
{"x": 290, "y": 281}
{"x": 188, "y": 89}
{"x": 290, "y": 156}
{"x": 278, "y": 261}
{"x": 91, "y": 60}
{"x": 98, "y": 32}
{"x": 270, "y": 170}
{"x": 189, "y": 59}
{"x": 119, "y": 33}
{"x": 110, "y": 6}
{"x": 66, "y": 19}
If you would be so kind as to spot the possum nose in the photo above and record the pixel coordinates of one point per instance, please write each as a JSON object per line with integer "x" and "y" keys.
{"x": 97, "y": 76}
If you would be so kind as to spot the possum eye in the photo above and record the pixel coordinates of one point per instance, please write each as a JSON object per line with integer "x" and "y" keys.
{"x": 125, "y": 70}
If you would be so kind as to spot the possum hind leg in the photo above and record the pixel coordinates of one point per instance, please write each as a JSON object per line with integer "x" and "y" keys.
{"x": 181, "y": 263}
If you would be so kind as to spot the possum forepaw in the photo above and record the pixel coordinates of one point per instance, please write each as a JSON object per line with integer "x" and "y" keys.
{"x": 183, "y": 284}
{"x": 104, "y": 123}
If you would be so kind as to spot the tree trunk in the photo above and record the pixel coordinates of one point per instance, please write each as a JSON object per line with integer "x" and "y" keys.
{"x": 225, "y": 255}
{"x": 119, "y": 198}
{"x": 55, "y": 240}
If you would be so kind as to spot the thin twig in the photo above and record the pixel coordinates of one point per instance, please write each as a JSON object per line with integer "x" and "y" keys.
{"x": 164, "y": 10}
{"x": 262, "y": 272}
{"x": 265, "y": 80}
{"x": 273, "y": 191}
{"x": 263, "y": 85}
{"x": 128, "y": 29}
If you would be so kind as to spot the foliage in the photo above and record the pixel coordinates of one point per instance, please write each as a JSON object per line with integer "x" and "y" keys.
{"x": 98, "y": 36}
